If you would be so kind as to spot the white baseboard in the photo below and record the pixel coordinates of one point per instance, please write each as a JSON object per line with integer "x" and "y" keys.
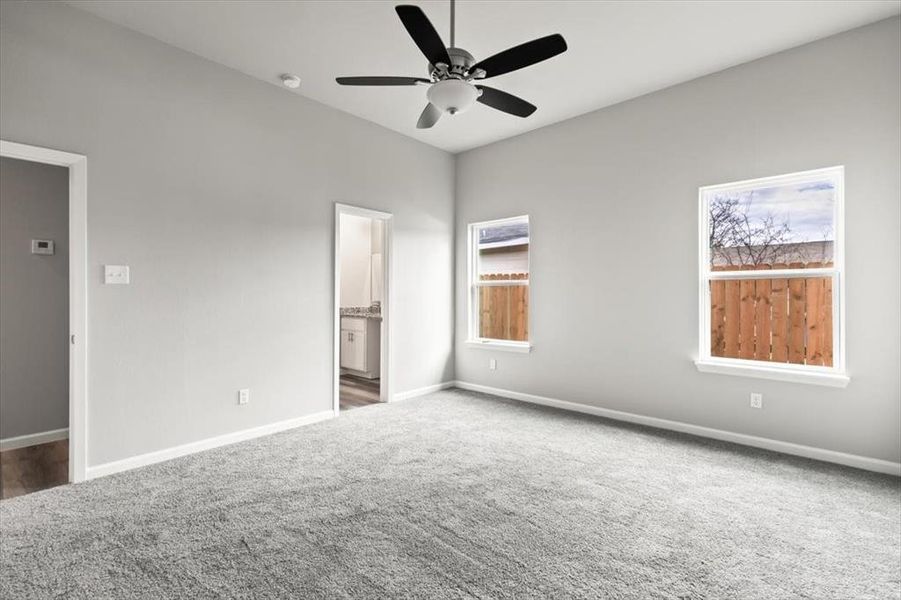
{"x": 841, "y": 458}
{"x": 33, "y": 439}
{"x": 423, "y": 390}
{"x": 150, "y": 458}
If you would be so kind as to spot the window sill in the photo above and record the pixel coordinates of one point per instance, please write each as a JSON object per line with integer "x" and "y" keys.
{"x": 779, "y": 373}
{"x": 523, "y": 347}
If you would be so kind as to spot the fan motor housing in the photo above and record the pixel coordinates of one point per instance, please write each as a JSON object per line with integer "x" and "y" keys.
{"x": 461, "y": 61}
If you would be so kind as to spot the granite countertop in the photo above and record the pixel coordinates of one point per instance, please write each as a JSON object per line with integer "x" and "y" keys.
{"x": 361, "y": 312}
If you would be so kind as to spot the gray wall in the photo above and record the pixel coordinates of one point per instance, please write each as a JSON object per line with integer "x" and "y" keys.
{"x": 218, "y": 191}
{"x": 612, "y": 197}
{"x": 34, "y": 298}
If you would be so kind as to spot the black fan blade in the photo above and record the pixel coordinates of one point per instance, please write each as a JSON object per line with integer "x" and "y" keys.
{"x": 521, "y": 56}
{"x": 380, "y": 80}
{"x": 423, "y": 33}
{"x": 505, "y": 102}
{"x": 429, "y": 116}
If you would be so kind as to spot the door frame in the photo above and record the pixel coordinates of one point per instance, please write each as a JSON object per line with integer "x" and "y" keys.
{"x": 78, "y": 299}
{"x": 385, "y": 362}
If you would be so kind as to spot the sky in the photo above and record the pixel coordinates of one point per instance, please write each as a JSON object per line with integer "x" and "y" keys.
{"x": 518, "y": 231}
{"x": 808, "y": 207}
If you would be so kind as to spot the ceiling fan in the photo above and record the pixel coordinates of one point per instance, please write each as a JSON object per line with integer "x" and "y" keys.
{"x": 453, "y": 71}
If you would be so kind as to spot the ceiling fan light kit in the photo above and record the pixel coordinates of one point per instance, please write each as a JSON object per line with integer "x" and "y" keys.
{"x": 453, "y": 95}
{"x": 453, "y": 72}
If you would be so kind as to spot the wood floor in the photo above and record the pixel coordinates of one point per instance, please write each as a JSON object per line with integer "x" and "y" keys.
{"x": 26, "y": 470}
{"x": 355, "y": 392}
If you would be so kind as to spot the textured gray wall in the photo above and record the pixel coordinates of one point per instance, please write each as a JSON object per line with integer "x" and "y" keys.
{"x": 218, "y": 190}
{"x": 612, "y": 197}
{"x": 34, "y": 298}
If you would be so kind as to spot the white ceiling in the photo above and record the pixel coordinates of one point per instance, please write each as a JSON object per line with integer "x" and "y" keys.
{"x": 617, "y": 50}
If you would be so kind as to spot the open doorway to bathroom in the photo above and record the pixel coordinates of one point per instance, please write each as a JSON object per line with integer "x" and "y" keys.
{"x": 362, "y": 245}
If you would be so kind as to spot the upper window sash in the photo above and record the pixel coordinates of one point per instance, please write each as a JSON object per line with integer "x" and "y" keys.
{"x": 474, "y": 231}
{"x": 797, "y": 243}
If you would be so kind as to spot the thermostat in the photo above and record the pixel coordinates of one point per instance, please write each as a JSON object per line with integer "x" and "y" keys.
{"x": 42, "y": 246}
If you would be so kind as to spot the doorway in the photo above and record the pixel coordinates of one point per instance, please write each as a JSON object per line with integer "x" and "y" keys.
{"x": 362, "y": 307}
{"x": 43, "y": 287}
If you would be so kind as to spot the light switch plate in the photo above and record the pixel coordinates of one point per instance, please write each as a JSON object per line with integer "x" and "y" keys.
{"x": 116, "y": 274}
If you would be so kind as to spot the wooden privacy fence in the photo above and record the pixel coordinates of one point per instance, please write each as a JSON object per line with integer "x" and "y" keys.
{"x": 504, "y": 309}
{"x": 778, "y": 320}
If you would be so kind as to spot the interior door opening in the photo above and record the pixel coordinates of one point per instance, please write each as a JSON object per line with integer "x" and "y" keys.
{"x": 362, "y": 245}
{"x": 72, "y": 343}
{"x": 34, "y": 326}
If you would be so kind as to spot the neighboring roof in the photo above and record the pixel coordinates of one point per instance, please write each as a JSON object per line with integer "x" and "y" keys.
{"x": 804, "y": 252}
{"x": 509, "y": 234}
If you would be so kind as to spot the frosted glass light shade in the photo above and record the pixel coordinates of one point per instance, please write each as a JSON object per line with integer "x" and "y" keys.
{"x": 452, "y": 95}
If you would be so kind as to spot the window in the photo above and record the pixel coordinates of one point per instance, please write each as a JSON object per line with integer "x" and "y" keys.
{"x": 499, "y": 283}
{"x": 771, "y": 277}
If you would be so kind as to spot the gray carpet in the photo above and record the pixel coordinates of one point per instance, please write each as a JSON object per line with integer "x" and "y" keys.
{"x": 461, "y": 495}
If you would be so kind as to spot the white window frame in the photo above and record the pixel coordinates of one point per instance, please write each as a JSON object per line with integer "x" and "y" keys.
{"x": 474, "y": 284}
{"x": 835, "y": 375}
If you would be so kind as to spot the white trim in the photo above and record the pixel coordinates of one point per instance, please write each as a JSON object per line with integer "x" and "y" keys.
{"x": 47, "y": 156}
{"x": 78, "y": 298}
{"x": 746, "y": 184}
{"x": 835, "y": 375}
{"x": 502, "y": 221}
{"x": 423, "y": 391}
{"x": 386, "y": 373}
{"x": 33, "y": 439}
{"x": 831, "y": 456}
{"x": 776, "y": 371}
{"x": 773, "y": 273}
{"x": 142, "y": 460}
{"x": 500, "y": 282}
{"x": 488, "y": 344}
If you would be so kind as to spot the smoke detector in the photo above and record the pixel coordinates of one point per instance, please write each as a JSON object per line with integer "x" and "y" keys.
{"x": 290, "y": 81}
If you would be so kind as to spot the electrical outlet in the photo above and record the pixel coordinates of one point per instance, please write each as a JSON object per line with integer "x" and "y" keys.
{"x": 243, "y": 396}
{"x": 756, "y": 400}
{"x": 492, "y": 364}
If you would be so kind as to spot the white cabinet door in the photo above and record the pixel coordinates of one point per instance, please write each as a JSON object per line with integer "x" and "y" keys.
{"x": 346, "y": 349}
{"x": 353, "y": 350}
